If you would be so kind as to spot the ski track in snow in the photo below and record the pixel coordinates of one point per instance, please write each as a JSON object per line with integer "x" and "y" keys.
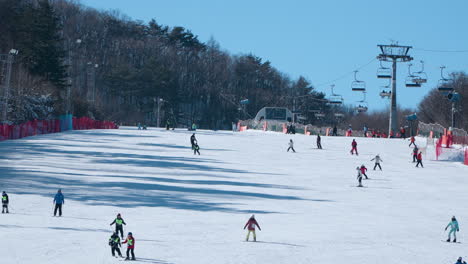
{"x": 191, "y": 209}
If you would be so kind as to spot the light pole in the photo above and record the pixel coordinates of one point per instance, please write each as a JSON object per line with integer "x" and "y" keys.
{"x": 159, "y": 101}
{"x": 91, "y": 81}
{"x": 394, "y": 53}
{"x": 70, "y": 73}
{"x": 8, "y": 61}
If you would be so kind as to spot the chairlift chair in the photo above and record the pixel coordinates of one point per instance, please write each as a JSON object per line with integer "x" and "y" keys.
{"x": 384, "y": 72}
{"x": 420, "y": 76}
{"x": 335, "y": 99}
{"x": 445, "y": 84}
{"x": 410, "y": 80}
{"x": 385, "y": 94}
{"x": 357, "y": 85}
{"x": 362, "y": 105}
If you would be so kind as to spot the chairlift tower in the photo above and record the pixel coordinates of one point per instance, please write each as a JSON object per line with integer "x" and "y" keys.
{"x": 6, "y": 64}
{"x": 394, "y": 53}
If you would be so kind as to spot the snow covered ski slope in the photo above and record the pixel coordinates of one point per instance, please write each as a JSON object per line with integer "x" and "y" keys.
{"x": 191, "y": 209}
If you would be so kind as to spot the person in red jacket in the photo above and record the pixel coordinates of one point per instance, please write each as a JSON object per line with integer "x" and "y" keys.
{"x": 412, "y": 140}
{"x": 419, "y": 158}
{"x": 354, "y": 147}
{"x": 250, "y": 225}
{"x": 363, "y": 170}
{"x": 130, "y": 241}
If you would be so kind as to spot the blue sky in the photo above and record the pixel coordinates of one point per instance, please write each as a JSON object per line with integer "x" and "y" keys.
{"x": 323, "y": 40}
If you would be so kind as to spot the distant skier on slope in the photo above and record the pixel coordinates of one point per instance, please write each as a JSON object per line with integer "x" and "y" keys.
{"x": 412, "y": 140}
{"x": 363, "y": 170}
{"x": 114, "y": 242}
{"x": 119, "y": 222}
{"x": 359, "y": 177}
{"x": 59, "y": 200}
{"x": 193, "y": 140}
{"x": 291, "y": 145}
{"x": 415, "y": 153}
{"x": 334, "y": 131}
{"x": 5, "y": 202}
{"x": 354, "y": 147}
{"x": 130, "y": 241}
{"x": 453, "y": 229}
{"x": 419, "y": 158}
{"x": 250, "y": 225}
{"x": 319, "y": 141}
{"x": 196, "y": 149}
{"x": 377, "y": 161}
{"x": 460, "y": 261}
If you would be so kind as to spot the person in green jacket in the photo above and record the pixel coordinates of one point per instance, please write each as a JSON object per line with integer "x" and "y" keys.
{"x": 453, "y": 229}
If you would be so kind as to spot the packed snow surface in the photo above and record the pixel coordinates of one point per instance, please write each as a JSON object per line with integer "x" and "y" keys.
{"x": 191, "y": 209}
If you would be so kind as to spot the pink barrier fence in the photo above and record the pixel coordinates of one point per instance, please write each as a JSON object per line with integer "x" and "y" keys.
{"x": 39, "y": 127}
{"x": 466, "y": 156}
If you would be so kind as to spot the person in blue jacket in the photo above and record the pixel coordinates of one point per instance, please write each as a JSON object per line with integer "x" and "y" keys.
{"x": 59, "y": 200}
{"x": 453, "y": 229}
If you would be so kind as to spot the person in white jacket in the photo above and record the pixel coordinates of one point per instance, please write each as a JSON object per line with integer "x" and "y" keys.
{"x": 377, "y": 161}
{"x": 291, "y": 145}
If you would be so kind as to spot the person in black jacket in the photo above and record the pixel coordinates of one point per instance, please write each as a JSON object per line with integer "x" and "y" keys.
{"x": 5, "y": 202}
{"x": 119, "y": 222}
{"x": 319, "y": 141}
{"x": 193, "y": 140}
{"x": 114, "y": 242}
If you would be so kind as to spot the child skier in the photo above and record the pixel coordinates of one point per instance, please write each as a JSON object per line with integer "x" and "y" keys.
{"x": 354, "y": 147}
{"x": 415, "y": 153}
{"x": 59, "y": 200}
{"x": 359, "y": 177}
{"x": 119, "y": 222}
{"x": 196, "y": 149}
{"x": 291, "y": 145}
{"x": 419, "y": 158}
{"x": 412, "y": 140}
{"x": 5, "y": 202}
{"x": 130, "y": 241}
{"x": 114, "y": 242}
{"x": 363, "y": 170}
{"x": 377, "y": 161}
{"x": 250, "y": 225}
{"x": 319, "y": 141}
{"x": 453, "y": 229}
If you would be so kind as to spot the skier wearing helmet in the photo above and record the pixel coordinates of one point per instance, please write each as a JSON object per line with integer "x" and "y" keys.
{"x": 250, "y": 225}
{"x": 119, "y": 222}
{"x": 130, "y": 241}
{"x": 453, "y": 229}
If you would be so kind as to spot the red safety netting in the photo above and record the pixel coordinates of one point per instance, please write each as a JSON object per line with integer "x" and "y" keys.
{"x": 466, "y": 156}
{"x": 88, "y": 123}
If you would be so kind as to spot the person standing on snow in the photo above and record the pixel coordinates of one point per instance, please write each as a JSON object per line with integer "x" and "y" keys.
{"x": 59, "y": 200}
{"x": 412, "y": 140}
{"x": 377, "y": 161}
{"x": 291, "y": 145}
{"x": 250, "y": 225}
{"x": 415, "y": 153}
{"x": 130, "y": 241}
{"x": 114, "y": 242}
{"x": 119, "y": 222}
{"x": 363, "y": 170}
{"x": 196, "y": 149}
{"x": 354, "y": 147}
{"x": 419, "y": 158}
{"x": 5, "y": 202}
{"x": 334, "y": 132}
{"x": 453, "y": 229}
{"x": 359, "y": 176}
{"x": 319, "y": 141}
{"x": 193, "y": 140}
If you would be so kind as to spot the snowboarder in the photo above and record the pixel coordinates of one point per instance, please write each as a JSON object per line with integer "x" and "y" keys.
{"x": 419, "y": 158}
{"x": 415, "y": 153}
{"x": 291, "y": 145}
{"x": 412, "y": 140}
{"x": 114, "y": 242}
{"x": 5, "y": 202}
{"x": 354, "y": 147}
{"x": 250, "y": 225}
{"x": 130, "y": 241}
{"x": 119, "y": 222}
{"x": 334, "y": 133}
{"x": 193, "y": 140}
{"x": 196, "y": 149}
{"x": 363, "y": 170}
{"x": 453, "y": 229}
{"x": 59, "y": 200}
{"x": 319, "y": 141}
{"x": 359, "y": 176}
{"x": 377, "y": 162}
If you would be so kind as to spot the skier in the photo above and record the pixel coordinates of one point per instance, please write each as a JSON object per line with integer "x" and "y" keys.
{"x": 139, "y": 126}
{"x": 193, "y": 140}
{"x": 419, "y": 158}
{"x": 119, "y": 222}
{"x": 319, "y": 141}
{"x": 412, "y": 140}
{"x": 114, "y": 242}
{"x": 460, "y": 261}
{"x": 291, "y": 145}
{"x": 354, "y": 147}
{"x": 250, "y": 225}
{"x": 334, "y": 131}
{"x": 359, "y": 176}
{"x": 453, "y": 229}
{"x": 130, "y": 241}
{"x": 377, "y": 162}
{"x": 415, "y": 153}
{"x": 59, "y": 200}
{"x": 5, "y": 202}
{"x": 363, "y": 170}
{"x": 366, "y": 129}
{"x": 196, "y": 149}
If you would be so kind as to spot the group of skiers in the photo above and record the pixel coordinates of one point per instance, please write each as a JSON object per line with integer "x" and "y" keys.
{"x": 114, "y": 240}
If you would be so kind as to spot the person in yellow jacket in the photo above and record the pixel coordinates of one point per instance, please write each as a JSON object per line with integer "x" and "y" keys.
{"x": 119, "y": 222}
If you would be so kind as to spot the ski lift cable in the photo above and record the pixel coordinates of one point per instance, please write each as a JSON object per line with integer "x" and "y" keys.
{"x": 346, "y": 74}
{"x": 444, "y": 51}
